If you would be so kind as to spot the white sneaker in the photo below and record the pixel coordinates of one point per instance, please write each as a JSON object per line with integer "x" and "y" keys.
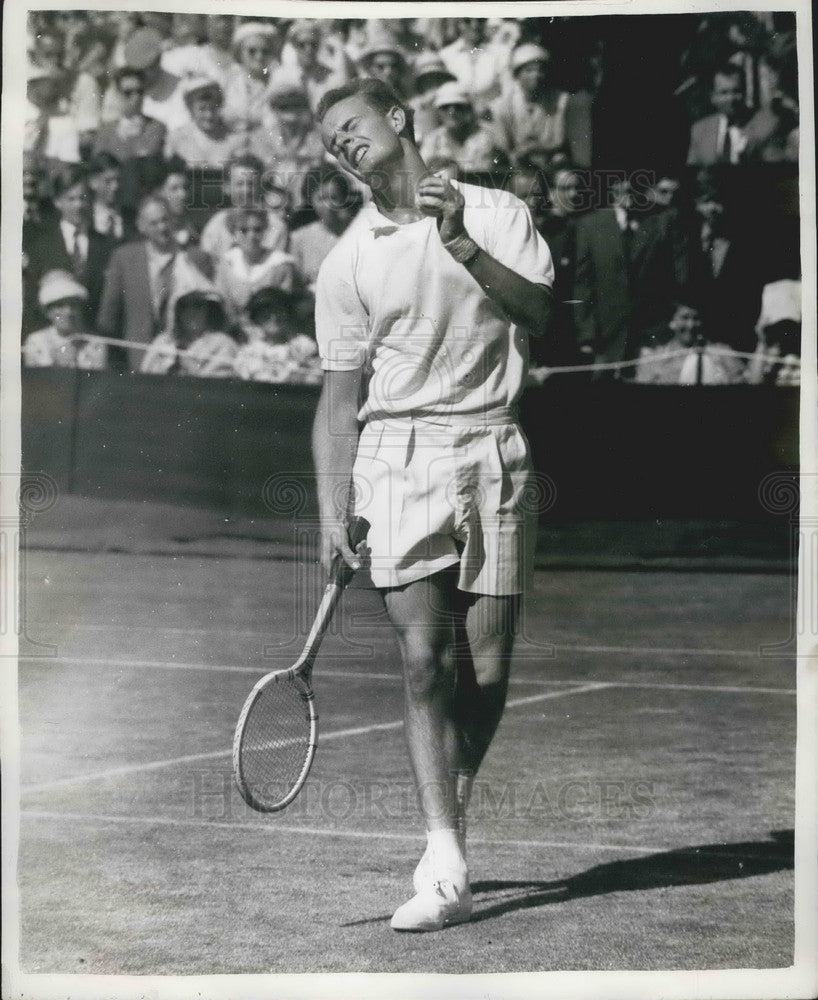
{"x": 423, "y": 873}
{"x": 439, "y": 904}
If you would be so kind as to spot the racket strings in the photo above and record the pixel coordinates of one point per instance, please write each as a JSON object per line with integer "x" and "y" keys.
{"x": 276, "y": 740}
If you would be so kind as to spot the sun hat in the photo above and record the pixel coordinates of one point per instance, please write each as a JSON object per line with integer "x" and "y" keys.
{"x": 191, "y": 85}
{"x": 451, "y": 93}
{"x": 382, "y": 45}
{"x": 58, "y": 286}
{"x": 430, "y": 63}
{"x": 250, "y": 29}
{"x": 528, "y": 53}
{"x": 780, "y": 300}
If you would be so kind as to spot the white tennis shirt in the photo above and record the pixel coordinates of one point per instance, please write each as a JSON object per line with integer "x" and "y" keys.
{"x": 389, "y": 297}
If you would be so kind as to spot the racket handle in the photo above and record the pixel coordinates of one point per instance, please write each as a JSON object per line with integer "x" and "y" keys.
{"x": 340, "y": 573}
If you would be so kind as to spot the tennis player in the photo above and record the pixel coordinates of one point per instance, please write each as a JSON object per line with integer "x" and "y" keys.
{"x": 422, "y": 314}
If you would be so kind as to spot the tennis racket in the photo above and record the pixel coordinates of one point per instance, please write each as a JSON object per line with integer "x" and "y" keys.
{"x": 277, "y": 731}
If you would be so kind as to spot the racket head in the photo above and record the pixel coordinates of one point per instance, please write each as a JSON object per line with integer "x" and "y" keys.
{"x": 275, "y": 739}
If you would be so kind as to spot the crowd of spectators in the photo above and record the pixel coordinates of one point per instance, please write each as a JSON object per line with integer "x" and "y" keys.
{"x": 179, "y": 200}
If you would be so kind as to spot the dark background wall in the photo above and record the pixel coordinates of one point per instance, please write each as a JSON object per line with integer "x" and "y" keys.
{"x": 611, "y": 451}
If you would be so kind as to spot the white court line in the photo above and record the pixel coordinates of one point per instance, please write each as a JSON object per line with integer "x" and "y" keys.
{"x": 341, "y": 675}
{"x": 657, "y": 651}
{"x": 274, "y": 827}
{"x": 116, "y": 772}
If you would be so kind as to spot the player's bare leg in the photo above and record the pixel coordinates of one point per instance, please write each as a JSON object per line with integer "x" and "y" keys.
{"x": 422, "y": 613}
{"x": 485, "y": 629}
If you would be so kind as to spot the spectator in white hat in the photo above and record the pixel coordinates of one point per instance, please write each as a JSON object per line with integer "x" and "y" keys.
{"x": 63, "y": 300}
{"x": 206, "y": 140}
{"x": 193, "y": 57}
{"x": 50, "y": 137}
{"x": 479, "y": 65}
{"x": 461, "y": 137}
{"x": 531, "y": 114}
{"x": 384, "y": 60}
{"x": 777, "y": 359}
{"x": 257, "y": 46}
{"x": 430, "y": 74}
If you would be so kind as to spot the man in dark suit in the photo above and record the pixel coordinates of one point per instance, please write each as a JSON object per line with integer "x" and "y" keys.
{"x": 629, "y": 266}
{"x": 66, "y": 243}
{"x": 731, "y": 135}
{"x": 728, "y": 267}
{"x": 139, "y": 283}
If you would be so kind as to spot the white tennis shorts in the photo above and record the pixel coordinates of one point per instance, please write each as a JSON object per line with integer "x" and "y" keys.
{"x": 441, "y": 493}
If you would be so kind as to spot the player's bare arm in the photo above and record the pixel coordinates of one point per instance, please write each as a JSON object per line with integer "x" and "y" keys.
{"x": 334, "y": 443}
{"x": 524, "y": 302}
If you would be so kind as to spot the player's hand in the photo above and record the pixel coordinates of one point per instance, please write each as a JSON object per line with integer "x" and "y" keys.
{"x": 438, "y": 197}
{"x": 335, "y": 540}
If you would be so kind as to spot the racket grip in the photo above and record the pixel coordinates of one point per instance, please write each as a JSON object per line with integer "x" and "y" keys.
{"x": 341, "y": 574}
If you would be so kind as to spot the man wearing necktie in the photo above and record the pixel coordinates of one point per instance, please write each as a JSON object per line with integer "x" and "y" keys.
{"x": 104, "y": 177}
{"x": 68, "y": 243}
{"x": 721, "y": 137}
{"x": 139, "y": 283}
{"x": 629, "y": 265}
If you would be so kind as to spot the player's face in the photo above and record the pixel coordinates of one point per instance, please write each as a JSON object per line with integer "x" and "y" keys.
{"x": 363, "y": 139}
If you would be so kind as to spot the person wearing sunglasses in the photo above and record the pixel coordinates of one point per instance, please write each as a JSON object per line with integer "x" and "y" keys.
{"x": 250, "y": 265}
{"x": 134, "y": 140}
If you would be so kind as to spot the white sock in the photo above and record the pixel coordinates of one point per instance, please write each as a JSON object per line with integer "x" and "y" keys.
{"x": 447, "y": 857}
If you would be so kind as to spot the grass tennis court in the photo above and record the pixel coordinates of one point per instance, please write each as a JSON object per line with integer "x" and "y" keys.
{"x": 635, "y": 811}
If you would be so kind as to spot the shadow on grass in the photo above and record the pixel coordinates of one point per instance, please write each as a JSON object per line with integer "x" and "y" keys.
{"x": 684, "y": 866}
